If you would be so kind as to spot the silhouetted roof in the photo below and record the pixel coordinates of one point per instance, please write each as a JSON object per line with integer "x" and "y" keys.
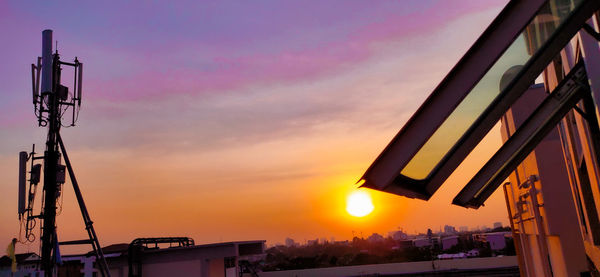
{"x": 114, "y": 248}
{"x": 6, "y": 261}
{"x": 243, "y": 247}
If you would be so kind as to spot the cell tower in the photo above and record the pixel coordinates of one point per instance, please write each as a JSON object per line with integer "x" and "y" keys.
{"x": 53, "y": 102}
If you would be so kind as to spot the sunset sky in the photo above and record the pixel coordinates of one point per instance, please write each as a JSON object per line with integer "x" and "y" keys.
{"x": 237, "y": 120}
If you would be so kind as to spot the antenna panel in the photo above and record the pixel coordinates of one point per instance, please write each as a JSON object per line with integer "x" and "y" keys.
{"x": 79, "y": 81}
{"x": 35, "y": 174}
{"x": 33, "y": 81}
{"x": 47, "y": 61}
{"x": 22, "y": 181}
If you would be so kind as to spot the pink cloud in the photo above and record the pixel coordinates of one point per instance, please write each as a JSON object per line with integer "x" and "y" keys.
{"x": 159, "y": 76}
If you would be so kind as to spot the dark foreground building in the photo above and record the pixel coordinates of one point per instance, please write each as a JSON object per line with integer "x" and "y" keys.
{"x": 143, "y": 257}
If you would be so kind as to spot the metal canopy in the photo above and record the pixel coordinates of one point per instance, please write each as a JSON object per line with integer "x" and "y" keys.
{"x": 564, "y": 97}
{"x": 390, "y": 171}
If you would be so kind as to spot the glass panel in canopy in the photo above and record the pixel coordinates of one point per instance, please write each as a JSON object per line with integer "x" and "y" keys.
{"x": 526, "y": 45}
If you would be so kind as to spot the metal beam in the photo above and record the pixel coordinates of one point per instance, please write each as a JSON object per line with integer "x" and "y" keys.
{"x": 76, "y": 242}
{"x": 87, "y": 220}
{"x": 569, "y": 92}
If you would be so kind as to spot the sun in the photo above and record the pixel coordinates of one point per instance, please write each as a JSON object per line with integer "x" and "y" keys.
{"x": 359, "y": 204}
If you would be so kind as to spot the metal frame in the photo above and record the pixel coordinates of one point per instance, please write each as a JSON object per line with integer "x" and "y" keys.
{"x": 444, "y": 99}
{"x": 564, "y": 98}
{"x": 87, "y": 220}
{"x": 136, "y": 249}
{"x": 384, "y": 173}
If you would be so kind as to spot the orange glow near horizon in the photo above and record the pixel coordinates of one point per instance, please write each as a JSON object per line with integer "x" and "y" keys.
{"x": 255, "y": 139}
{"x": 359, "y": 204}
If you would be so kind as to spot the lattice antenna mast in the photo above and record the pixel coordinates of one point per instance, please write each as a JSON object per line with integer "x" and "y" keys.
{"x": 53, "y": 102}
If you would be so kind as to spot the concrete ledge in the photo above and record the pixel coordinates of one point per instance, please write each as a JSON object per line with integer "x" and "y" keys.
{"x": 400, "y": 268}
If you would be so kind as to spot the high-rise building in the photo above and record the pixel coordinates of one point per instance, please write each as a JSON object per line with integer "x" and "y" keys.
{"x": 449, "y": 229}
{"x": 289, "y": 242}
{"x": 398, "y": 235}
{"x": 375, "y": 238}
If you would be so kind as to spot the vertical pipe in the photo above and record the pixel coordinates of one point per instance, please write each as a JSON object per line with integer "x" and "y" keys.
{"x": 51, "y": 158}
{"x": 542, "y": 236}
{"x": 47, "y": 61}
{"x": 50, "y": 190}
{"x": 516, "y": 236}
{"x": 524, "y": 255}
{"x": 524, "y": 237}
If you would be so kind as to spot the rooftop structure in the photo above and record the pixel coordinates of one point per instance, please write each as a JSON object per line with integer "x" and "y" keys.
{"x": 27, "y": 263}
{"x": 226, "y": 259}
{"x": 209, "y": 260}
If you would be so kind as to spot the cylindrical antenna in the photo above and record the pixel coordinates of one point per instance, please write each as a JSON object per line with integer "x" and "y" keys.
{"x": 46, "y": 61}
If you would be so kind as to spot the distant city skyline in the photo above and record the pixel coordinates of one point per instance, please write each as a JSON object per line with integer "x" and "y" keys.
{"x": 237, "y": 121}
{"x": 385, "y": 234}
